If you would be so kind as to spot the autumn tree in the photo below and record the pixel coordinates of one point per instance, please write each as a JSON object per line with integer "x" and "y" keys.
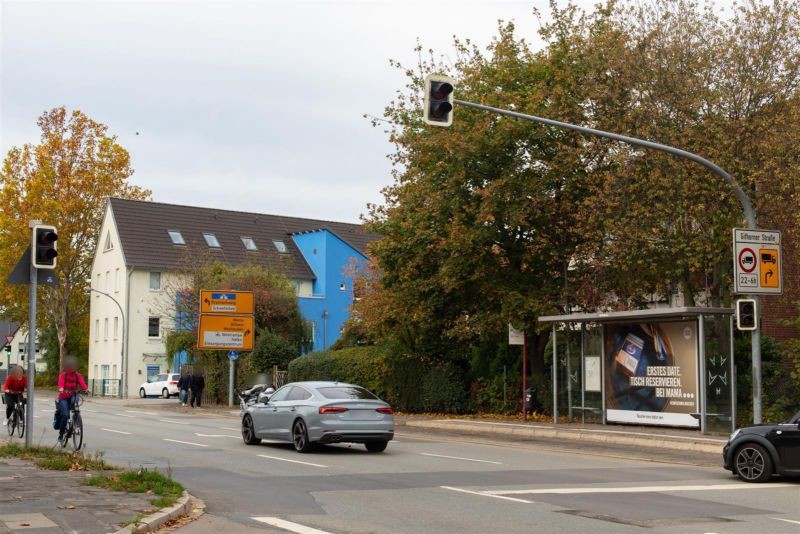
{"x": 64, "y": 180}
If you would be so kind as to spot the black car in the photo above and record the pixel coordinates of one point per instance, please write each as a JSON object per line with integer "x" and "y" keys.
{"x": 757, "y": 452}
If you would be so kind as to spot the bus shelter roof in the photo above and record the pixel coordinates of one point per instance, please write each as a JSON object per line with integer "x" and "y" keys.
{"x": 635, "y": 315}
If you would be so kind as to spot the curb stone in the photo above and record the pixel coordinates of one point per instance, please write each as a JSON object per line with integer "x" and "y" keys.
{"x": 154, "y": 521}
{"x": 703, "y": 445}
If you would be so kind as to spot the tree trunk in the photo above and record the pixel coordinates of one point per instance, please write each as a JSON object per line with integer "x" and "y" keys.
{"x": 537, "y": 342}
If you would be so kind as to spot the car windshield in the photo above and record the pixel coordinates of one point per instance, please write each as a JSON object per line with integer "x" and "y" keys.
{"x": 347, "y": 392}
{"x": 793, "y": 419}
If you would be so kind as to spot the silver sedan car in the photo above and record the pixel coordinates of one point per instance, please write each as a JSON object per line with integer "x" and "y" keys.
{"x": 309, "y": 413}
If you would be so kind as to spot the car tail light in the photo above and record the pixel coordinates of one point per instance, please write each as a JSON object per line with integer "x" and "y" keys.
{"x": 387, "y": 411}
{"x": 332, "y": 409}
{"x": 173, "y": 382}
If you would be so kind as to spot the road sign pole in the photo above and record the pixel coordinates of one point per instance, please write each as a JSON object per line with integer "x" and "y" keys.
{"x": 31, "y": 353}
{"x": 744, "y": 200}
{"x": 231, "y": 381}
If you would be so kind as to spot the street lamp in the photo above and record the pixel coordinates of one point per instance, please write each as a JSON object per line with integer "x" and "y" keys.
{"x": 123, "y": 391}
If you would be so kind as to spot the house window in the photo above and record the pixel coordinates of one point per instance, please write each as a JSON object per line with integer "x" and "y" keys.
{"x": 96, "y": 330}
{"x": 154, "y": 327}
{"x": 116, "y": 280}
{"x": 108, "y": 277}
{"x": 249, "y": 243}
{"x": 342, "y": 286}
{"x": 176, "y": 237}
{"x": 280, "y": 246}
{"x": 116, "y": 327}
{"x": 211, "y": 240}
{"x": 105, "y": 328}
{"x": 155, "y": 281}
{"x": 109, "y": 245}
{"x": 98, "y": 284}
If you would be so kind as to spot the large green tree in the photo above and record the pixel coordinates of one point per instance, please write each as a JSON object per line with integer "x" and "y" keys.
{"x": 64, "y": 180}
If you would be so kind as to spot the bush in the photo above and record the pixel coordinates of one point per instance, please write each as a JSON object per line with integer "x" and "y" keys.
{"x": 408, "y": 383}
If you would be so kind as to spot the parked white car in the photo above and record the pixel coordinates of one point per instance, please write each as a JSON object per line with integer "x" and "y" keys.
{"x": 165, "y": 385}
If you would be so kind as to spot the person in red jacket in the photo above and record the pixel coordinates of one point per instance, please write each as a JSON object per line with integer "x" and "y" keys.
{"x": 68, "y": 385}
{"x": 13, "y": 388}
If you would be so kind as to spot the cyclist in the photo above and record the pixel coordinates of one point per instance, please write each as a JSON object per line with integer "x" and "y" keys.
{"x": 15, "y": 385}
{"x": 68, "y": 382}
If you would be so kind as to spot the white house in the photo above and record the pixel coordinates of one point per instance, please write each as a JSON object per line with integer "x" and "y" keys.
{"x": 143, "y": 246}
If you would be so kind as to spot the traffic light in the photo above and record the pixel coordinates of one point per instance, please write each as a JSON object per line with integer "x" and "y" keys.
{"x": 43, "y": 248}
{"x": 746, "y": 314}
{"x": 8, "y": 351}
{"x": 438, "y": 104}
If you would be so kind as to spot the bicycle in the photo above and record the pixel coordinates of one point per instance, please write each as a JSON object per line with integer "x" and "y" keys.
{"x": 74, "y": 427}
{"x": 17, "y": 419}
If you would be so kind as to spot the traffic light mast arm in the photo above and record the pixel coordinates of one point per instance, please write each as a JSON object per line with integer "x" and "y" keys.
{"x": 741, "y": 196}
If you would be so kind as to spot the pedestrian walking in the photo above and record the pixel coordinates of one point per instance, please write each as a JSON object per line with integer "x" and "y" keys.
{"x": 183, "y": 387}
{"x": 197, "y": 385}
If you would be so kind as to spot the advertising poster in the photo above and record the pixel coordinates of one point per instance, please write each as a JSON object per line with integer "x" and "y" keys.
{"x": 651, "y": 373}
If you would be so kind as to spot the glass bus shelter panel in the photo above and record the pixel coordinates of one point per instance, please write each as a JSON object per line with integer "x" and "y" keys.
{"x": 568, "y": 374}
{"x": 719, "y": 375}
{"x": 592, "y": 374}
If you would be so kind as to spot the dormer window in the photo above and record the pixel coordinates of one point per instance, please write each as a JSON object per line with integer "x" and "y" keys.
{"x": 211, "y": 240}
{"x": 249, "y": 243}
{"x": 176, "y": 237}
{"x": 280, "y": 246}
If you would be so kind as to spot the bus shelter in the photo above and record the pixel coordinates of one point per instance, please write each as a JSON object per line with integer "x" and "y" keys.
{"x": 665, "y": 366}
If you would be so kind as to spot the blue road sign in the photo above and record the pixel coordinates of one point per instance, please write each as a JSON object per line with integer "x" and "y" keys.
{"x": 223, "y": 296}
{"x": 233, "y": 355}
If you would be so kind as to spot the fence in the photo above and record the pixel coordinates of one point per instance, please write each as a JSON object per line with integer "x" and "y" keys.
{"x": 278, "y": 377}
{"x": 104, "y": 387}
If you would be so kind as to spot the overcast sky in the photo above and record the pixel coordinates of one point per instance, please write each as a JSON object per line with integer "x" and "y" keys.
{"x": 254, "y": 106}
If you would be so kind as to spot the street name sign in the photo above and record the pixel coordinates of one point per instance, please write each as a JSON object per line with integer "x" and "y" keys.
{"x": 757, "y": 268}
{"x": 515, "y": 337}
{"x": 226, "y": 332}
{"x": 226, "y": 302}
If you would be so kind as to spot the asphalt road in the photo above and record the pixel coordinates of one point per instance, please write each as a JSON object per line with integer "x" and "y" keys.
{"x": 427, "y": 483}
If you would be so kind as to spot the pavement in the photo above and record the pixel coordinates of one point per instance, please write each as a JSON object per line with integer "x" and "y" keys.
{"x": 433, "y": 479}
{"x": 54, "y": 502}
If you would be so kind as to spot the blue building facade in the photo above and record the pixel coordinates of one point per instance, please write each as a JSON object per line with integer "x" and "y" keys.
{"x": 334, "y": 262}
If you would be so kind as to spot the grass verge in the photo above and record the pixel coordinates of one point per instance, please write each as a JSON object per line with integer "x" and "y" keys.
{"x": 166, "y": 490}
{"x": 55, "y": 459}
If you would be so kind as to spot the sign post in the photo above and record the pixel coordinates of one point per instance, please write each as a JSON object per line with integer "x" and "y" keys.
{"x": 232, "y": 357}
{"x": 517, "y": 337}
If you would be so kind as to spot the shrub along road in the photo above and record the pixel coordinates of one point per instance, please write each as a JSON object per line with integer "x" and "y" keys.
{"x": 433, "y": 483}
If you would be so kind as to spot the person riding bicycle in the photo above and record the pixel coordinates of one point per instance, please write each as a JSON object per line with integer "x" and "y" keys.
{"x": 15, "y": 385}
{"x": 68, "y": 382}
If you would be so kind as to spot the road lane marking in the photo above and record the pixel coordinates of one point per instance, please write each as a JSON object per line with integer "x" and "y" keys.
{"x": 199, "y": 435}
{"x": 640, "y": 489}
{"x": 786, "y": 520}
{"x": 36, "y": 417}
{"x": 229, "y": 428}
{"x": 460, "y": 458}
{"x": 292, "y": 461}
{"x": 485, "y": 494}
{"x": 297, "y": 528}
{"x": 143, "y": 413}
{"x": 186, "y": 442}
{"x": 174, "y": 422}
{"x": 88, "y": 410}
{"x": 128, "y": 416}
{"x": 116, "y": 431}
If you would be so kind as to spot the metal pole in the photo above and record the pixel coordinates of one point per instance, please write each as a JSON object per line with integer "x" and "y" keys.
{"x": 703, "y": 374}
{"x": 555, "y": 377}
{"x": 231, "y": 376}
{"x": 525, "y": 375}
{"x": 741, "y": 196}
{"x": 31, "y": 354}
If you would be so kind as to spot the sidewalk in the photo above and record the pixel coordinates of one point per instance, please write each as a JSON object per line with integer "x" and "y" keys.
{"x": 52, "y": 502}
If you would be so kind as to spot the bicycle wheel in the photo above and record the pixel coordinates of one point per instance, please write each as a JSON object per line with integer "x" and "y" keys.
{"x": 12, "y": 423}
{"x": 20, "y": 415}
{"x": 77, "y": 433}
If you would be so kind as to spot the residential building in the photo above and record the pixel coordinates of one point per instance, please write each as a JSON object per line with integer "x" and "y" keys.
{"x": 11, "y": 334}
{"x": 143, "y": 247}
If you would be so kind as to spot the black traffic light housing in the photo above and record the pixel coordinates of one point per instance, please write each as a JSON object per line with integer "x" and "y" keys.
{"x": 43, "y": 248}
{"x": 438, "y": 104}
{"x": 7, "y": 348}
{"x": 746, "y": 314}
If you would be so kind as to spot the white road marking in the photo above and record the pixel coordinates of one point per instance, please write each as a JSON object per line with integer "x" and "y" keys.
{"x": 292, "y": 461}
{"x": 88, "y": 410}
{"x": 199, "y": 435}
{"x": 229, "y": 428}
{"x": 174, "y": 422}
{"x": 36, "y": 417}
{"x": 186, "y": 442}
{"x": 143, "y": 413}
{"x": 116, "y": 431}
{"x": 786, "y": 520}
{"x": 641, "y": 489}
{"x": 128, "y": 416}
{"x": 460, "y": 458}
{"x": 485, "y": 494}
{"x": 297, "y": 528}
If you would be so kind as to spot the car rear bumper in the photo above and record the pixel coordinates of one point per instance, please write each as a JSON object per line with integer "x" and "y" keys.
{"x": 355, "y": 436}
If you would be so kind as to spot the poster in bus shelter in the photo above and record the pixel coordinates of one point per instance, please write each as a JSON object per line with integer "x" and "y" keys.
{"x": 651, "y": 373}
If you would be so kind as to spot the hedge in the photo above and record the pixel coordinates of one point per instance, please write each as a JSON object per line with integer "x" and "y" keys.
{"x": 407, "y": 382}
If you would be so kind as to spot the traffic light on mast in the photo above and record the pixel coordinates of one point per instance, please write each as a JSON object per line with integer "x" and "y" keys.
{"x": 746, "y": 315}
{"x": 438, "y": 104}
{"x": 43, "y": 248}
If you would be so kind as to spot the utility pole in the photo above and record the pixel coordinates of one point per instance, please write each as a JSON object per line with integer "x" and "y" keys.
{"x": 34, "y": 278}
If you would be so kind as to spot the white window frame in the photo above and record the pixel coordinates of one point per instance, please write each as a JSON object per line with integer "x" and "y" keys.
{"x": 116, "y": 280}
{"x": 211, "y": 240}
{"x": 280, "y": 246}
{"x": 157, "y": 336}
{"x": 105, "y": 329}
{"x": 116, "y": 327}
{"x": 150, "y": 281}
{"x": 249, "y": 243}
{"x": 108, "y": 244}
{"x": 176, "y": 237}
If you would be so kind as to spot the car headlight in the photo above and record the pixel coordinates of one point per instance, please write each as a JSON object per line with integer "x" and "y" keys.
{"x": 735, "y": 433}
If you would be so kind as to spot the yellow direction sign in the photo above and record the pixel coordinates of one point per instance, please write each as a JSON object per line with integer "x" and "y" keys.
{"x": 226, "y": 302}
{"x": 226, "y": 332}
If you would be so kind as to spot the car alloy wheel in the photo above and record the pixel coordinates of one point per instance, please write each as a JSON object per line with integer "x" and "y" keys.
{"x": 300, "y": 436}
{"x": 249, "y": 431}
{"x": 142, "y": 394}
{"x": 752, "y": 463}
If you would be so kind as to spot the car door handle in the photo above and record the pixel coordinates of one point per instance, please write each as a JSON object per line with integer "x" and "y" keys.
{"x": 294, "y": 409}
